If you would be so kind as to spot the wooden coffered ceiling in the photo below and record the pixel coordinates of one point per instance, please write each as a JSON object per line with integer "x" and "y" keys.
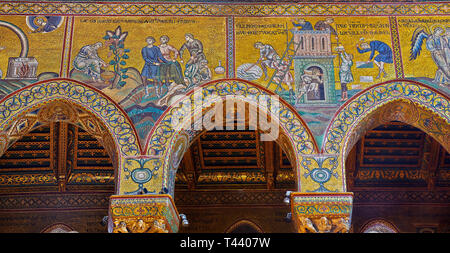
{"x": 58, "y": 157}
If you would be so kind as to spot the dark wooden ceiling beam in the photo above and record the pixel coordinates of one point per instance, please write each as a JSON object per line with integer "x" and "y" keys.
{"x": 269, "y": 163}
{"x": 231, "y": 167}
{"x": 231, "y": 158}
{"x": 189, "y": 169}
{"x": 425, "y": 155}
{"x": 200, "y": 154}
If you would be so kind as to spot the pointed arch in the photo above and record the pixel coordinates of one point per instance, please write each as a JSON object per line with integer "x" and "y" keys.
{"x": 402, "y": 100}
{"x": 161, "y": 141}
{"x": 244, "y": 224}
{"x": 361, "y": 105}
{"x": 58, "y": 228}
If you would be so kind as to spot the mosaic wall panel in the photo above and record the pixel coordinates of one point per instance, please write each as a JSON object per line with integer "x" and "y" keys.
{"x": 325, "y": 61}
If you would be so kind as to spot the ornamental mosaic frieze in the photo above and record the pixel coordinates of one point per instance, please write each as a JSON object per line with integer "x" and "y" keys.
{"x": 146, "y": 71}
{"x": 143, "y": 214}
{"x": 315, "y": 63}
{"x": 218, "y": 9}
{"x": 322, "y": 212}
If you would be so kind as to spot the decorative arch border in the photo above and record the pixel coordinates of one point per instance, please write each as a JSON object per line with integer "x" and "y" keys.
{"x": 325, "y": 78}
{"x": 381, "y": 222}
{"x": 101, "y": 106}
{"x": 104, "y": 109}
{"x": 244, "y": 222}
{"x": 163, "y": 135}
{"x": 365, "y": 103}
{"x": 368, "y": 100}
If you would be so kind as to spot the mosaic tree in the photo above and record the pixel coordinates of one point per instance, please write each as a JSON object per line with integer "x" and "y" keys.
{"x": 115, "y": 41}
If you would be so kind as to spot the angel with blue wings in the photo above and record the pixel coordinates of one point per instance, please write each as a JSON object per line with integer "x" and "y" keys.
{"x": 438, "y": 45}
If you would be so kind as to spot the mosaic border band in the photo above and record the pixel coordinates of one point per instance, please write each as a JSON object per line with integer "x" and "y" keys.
{"x": 222, "y": 9}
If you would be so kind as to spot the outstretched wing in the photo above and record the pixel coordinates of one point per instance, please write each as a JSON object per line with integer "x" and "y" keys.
{"x": 419, "y": 35}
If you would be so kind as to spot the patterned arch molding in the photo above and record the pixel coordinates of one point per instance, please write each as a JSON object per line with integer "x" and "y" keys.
{"x": 244, "y": 222}
{"x": 58, "y": 228}
{"x": 362, "y": 106}
{"x": 91, "y": 99}
{"x": 58, "y": 110}
{"x": 161, "y": 139}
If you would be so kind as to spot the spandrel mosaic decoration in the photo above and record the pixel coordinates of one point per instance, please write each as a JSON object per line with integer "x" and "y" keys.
{"x": 330, "y": 64}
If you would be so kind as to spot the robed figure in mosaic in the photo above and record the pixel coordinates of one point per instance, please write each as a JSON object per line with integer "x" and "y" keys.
{"x": 153, "y": 59}
{"x": 269, "y": 58}
{"x": 384, "y": 54}
{"x": 88, "y": 61}
{"x": 345, "y": 72}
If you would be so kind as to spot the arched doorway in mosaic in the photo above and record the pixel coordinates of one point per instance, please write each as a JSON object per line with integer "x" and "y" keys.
{"x": 406, "y": 101}
{"x": 69, "y": 101}
{"x": 171, "y": 135}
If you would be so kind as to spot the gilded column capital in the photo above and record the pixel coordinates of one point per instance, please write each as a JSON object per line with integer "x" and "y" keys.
{"x": 322, "y": 212}
{"x": 143, "y": 214}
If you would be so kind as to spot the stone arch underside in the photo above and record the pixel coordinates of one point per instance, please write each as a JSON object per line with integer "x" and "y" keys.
{"x": 398, "y": 100}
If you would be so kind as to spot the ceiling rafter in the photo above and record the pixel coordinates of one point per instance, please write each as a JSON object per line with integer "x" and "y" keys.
{"x": 386, "y": 158}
